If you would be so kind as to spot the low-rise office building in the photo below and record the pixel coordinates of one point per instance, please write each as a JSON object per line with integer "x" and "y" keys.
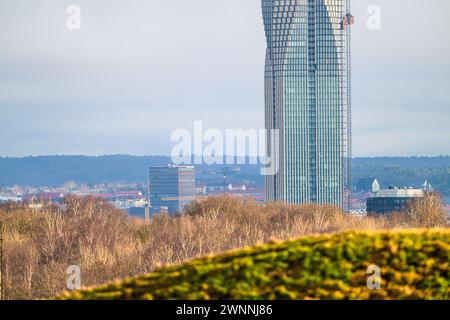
{"x": 392, "y": 200}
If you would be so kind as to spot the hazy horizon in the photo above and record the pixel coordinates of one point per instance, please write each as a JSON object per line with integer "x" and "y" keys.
{"x": 168, "y": 156}
{"x": 136, "y": 71}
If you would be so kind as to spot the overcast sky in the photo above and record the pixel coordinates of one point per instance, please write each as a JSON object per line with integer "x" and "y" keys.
{"x": 139, "y": 69}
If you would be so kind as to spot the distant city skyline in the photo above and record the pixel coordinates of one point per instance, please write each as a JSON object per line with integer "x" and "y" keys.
{"x": 136, "y": 71}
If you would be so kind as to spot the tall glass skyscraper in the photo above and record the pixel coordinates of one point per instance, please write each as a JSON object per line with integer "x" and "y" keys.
{"x": 308, "y": 99}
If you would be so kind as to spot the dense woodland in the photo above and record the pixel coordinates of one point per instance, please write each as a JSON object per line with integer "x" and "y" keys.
{"x": 57, "y": 170}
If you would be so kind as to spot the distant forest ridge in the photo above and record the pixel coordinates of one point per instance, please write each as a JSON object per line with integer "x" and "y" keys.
{"x": 57, "y": 170}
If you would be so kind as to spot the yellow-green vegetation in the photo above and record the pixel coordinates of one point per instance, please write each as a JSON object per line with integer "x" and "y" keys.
{"x": 414, "y": 265}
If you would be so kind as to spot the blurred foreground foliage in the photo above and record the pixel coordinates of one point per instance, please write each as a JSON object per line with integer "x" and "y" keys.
{"x": 414, "y": 265}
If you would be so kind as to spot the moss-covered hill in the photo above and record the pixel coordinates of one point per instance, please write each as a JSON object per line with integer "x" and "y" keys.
{"x": 414, "y": 265}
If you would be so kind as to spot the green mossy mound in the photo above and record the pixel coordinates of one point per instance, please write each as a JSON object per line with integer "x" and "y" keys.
{"x": 414, "y": 265}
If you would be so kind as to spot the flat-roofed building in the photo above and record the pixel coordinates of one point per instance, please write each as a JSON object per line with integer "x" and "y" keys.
{"x": 392, "y": 200}
{"x": 171, "y": 188}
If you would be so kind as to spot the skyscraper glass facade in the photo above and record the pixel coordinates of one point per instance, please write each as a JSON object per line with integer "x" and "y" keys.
{"x": 307, "y": 95}
{"x": 171, "y": 188}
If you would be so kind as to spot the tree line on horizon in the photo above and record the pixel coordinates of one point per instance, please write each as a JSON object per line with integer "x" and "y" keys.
{"x": 57, "y": 170}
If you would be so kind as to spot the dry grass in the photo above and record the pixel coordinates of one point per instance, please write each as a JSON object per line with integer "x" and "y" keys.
{"x": 108, "y": 245}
